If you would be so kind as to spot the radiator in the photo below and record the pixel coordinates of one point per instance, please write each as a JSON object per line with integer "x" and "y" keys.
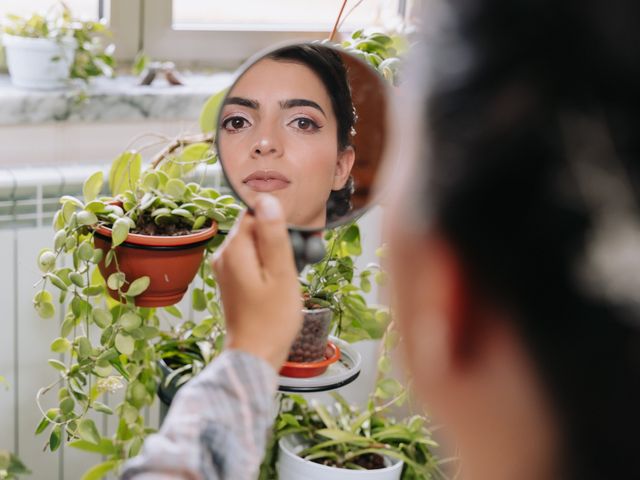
{"x": 28, "y": 201}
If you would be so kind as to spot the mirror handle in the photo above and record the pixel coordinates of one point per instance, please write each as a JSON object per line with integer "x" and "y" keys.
{"x": 307, "y": 248}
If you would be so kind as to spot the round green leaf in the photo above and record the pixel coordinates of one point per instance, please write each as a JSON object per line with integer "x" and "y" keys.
{"x": 175, "y": 188}
{"x": 120, "y": 231}
{"x": 85, "y": 251}
{"x": 124, "y": 343}
{"x": 130, "y": 321}
{"x": 46, "y": 260}
{"x": 87, "y": 218}
{"x": 101, "y": 317}
{"x": 45, "y": 309}
{"x": 60, "y": 345}
{"x": 115, "y": 280}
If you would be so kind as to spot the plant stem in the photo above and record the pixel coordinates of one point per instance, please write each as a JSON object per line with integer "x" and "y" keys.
{"x": 335, "y": 26}
{"x": 180, "y": 142}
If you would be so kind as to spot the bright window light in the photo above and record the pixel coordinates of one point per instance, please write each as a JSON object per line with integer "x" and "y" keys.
{"x": 86, "y": 9}
{"x": 271, "y": 15}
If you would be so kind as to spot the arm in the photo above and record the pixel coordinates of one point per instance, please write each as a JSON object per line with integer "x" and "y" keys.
{"x": 217, "y": 425}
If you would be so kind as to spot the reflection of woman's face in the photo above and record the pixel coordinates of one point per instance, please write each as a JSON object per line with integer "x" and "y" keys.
{"x": 279, "y": 135}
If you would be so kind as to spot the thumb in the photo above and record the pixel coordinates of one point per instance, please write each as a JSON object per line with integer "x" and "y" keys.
{"x": 271, "y": 236}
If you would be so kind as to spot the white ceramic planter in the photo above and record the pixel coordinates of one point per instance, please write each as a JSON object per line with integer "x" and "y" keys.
{"x": 292, "y": 467}
{"x": 32, "y": 61}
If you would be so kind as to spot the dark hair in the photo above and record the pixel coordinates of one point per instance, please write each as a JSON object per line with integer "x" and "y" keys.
{"x": 327, "y": 64}
{"x": 525, "y": 96}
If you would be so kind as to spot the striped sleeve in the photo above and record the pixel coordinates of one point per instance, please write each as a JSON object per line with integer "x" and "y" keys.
{"x": 217, "y": 425}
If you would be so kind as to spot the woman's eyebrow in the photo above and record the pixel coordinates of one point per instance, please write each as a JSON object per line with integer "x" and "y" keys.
{"x": 301, "y": 102}
{"x": 244, "y": 102}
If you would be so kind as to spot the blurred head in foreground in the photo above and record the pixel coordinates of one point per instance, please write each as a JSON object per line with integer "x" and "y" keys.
{"x": 516, "y": 235}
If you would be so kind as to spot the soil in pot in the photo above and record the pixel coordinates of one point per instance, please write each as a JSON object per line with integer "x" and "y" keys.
{"x": 311, "y": 343}
{"x": 170, "y": 262}
{"x": 368, "y": 461}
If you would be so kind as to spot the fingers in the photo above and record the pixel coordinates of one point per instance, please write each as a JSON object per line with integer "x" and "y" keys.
{"x": 272, "y": 238}
{"x": 237, "y": 252}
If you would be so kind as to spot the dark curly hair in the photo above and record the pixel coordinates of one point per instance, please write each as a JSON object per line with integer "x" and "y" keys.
{"x": 542, "y": 91}
{"x": 327, "y": 64}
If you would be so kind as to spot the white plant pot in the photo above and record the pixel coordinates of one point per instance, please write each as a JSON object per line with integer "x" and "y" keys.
{"x": 39, "y": 63}
{"x": 293, "y": 467}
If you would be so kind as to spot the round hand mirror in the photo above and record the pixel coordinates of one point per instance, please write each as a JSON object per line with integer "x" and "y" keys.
{"x": 306, "y": 124}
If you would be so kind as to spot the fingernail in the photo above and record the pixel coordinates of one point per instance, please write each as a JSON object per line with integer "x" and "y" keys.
{"x": 269, "y": 207}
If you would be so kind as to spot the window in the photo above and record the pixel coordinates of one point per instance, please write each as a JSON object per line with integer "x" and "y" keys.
{"x": 283, "y": 15}
{"x": 89, "y": 9}
{"x": 224, "y": 33}
{"x": 215, "y": 33}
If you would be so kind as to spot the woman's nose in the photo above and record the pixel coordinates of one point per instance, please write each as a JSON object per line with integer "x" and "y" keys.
{"x": 267, "y": 143}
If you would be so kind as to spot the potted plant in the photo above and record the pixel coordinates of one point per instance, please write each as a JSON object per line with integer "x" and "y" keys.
{"x": 45, "y": 51}
{"x": 313, "y": 441}
{"x": 332, "y": 292}
{"x": 114, "y": 297}
{"x": 183, "y": 352}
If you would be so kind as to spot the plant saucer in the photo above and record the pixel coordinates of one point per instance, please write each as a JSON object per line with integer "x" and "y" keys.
{"x": 338, "y": 374}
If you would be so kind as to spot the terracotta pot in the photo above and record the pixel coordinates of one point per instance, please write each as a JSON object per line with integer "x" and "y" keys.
{"x": 170, "y": 262}
{"x": 312, "y": 369}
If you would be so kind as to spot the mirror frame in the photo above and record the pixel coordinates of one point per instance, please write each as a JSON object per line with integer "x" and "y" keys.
{"x": 386, "y": 93}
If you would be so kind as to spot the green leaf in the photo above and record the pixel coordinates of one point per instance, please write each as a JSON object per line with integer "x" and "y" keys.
{"x": 199, "y": 222}
{"x": 84, "y": 347}
{"x": 57, "y": 281}
{"x": 105, "y": 447}
{"x": 116, "y": 280}
{"x": 54, "y": 438}
{"x": 210, "y": 111}
{"x": 101, "y": 407}
{"x": 66, "y": 405}
{"x": 125, "y": 172}
{"x": 85, "y": 251}
{"x": 120, "y": 231}
{"x": 87, "y": 431}
{"x": 138, "y": 286}
{"x": 45, "y": 309}
{"x": 199, "y": 300}
{"x": 46, "y": 260}
{"x": 92, "y": 186}
{"x": 173, "y": 310}
{"x": 175, "y": 188}
{"x": 101, "y": 317}
{"x": 97, "y": 472}
{"x": 86, "y": 218}
{"x": 60, "y": 345}
{"x": 130, "y": 321}
{"x": 124, "y": 343}
{"x": 57, "y": 364}
{"x": 72, "y": 200}
{"x": 42, "y": 426}
{"x": 77, "y": 279}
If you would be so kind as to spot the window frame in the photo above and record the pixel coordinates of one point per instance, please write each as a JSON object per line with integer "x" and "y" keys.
{"x": 147, "y": 25}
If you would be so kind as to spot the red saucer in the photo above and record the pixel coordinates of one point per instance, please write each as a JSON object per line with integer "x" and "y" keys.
{"x": 311, "y": 369}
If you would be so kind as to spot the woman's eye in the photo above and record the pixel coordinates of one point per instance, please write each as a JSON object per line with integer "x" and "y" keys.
{"x": 235, "y": 123}
{"x": 305, "y": 124}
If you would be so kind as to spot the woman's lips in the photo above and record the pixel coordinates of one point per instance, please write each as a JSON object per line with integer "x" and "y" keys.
{"x": 266, "y": 181}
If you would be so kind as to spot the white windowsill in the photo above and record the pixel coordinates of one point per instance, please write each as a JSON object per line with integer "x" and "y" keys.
{"x": 109, "y": 100}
